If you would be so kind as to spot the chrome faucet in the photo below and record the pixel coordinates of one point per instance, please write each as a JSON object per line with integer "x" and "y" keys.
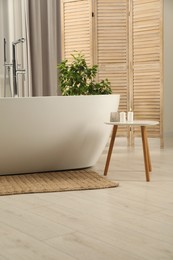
{"x": 15, "y": 70}
{"x": 7, "y": 68}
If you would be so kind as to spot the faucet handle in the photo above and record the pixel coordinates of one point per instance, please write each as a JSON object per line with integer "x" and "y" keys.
{"x": 20, "y": 71}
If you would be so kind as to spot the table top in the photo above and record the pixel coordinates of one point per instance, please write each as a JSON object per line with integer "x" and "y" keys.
{"x": 135, "y": 123}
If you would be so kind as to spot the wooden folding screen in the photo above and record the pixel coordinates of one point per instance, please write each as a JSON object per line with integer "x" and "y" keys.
{"x": 76, "y": 24}
{"x": 111, "y": 18}
{"x": 124, "y": 37}
{"x": 147, "y": 63}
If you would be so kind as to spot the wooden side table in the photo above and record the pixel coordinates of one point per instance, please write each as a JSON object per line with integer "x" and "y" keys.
{"x": 143, "y": 125}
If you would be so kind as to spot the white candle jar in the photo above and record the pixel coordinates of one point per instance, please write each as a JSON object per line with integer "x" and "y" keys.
{"x": 122, "y": 117}
{"x": 130, "y": 116}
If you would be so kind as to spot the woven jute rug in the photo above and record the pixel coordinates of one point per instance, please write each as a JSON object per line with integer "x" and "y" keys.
{"x": 53, "y": 182}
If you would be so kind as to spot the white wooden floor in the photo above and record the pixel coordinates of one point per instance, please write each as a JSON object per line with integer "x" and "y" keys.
{"x": 131, "y": 222}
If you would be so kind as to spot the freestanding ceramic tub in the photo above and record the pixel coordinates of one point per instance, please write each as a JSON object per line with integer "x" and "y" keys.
{"x": 53, "y": 133}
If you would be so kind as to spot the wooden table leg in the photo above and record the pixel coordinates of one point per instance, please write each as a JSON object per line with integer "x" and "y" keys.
{"x": 114, "y": 131}
{"x": 146, "y": 153}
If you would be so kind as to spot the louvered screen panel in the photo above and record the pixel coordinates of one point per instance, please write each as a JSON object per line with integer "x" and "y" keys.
{"x": 147, "y": 63}
{"x": 112, "y": 47}
{"x": 76, "y": 28}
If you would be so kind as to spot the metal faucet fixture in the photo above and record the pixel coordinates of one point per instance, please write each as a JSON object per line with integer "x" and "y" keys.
{"x": 15, "y": 70}
{"x": 18, "y": 41}
{"x": 7, "y": 67}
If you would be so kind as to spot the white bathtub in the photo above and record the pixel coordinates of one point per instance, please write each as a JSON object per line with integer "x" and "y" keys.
{"x": 53, "y": 133}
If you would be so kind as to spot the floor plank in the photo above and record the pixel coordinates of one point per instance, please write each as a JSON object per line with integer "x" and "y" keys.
{"x": 132, "y": 221}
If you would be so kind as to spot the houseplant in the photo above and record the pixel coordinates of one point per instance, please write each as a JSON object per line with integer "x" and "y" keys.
{"x": 77, "y": 78}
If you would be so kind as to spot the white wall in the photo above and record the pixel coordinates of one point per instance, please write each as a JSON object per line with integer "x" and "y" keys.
{"x": 168, "y": 67}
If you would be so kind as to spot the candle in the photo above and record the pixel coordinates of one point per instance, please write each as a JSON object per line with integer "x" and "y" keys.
{"x": 122, "y": 117}
{"x": 130, "y": 116}
{"x": 114, "y": 117}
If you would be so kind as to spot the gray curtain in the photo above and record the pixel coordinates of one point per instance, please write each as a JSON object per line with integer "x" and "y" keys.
{"x": 44, "y": 26}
